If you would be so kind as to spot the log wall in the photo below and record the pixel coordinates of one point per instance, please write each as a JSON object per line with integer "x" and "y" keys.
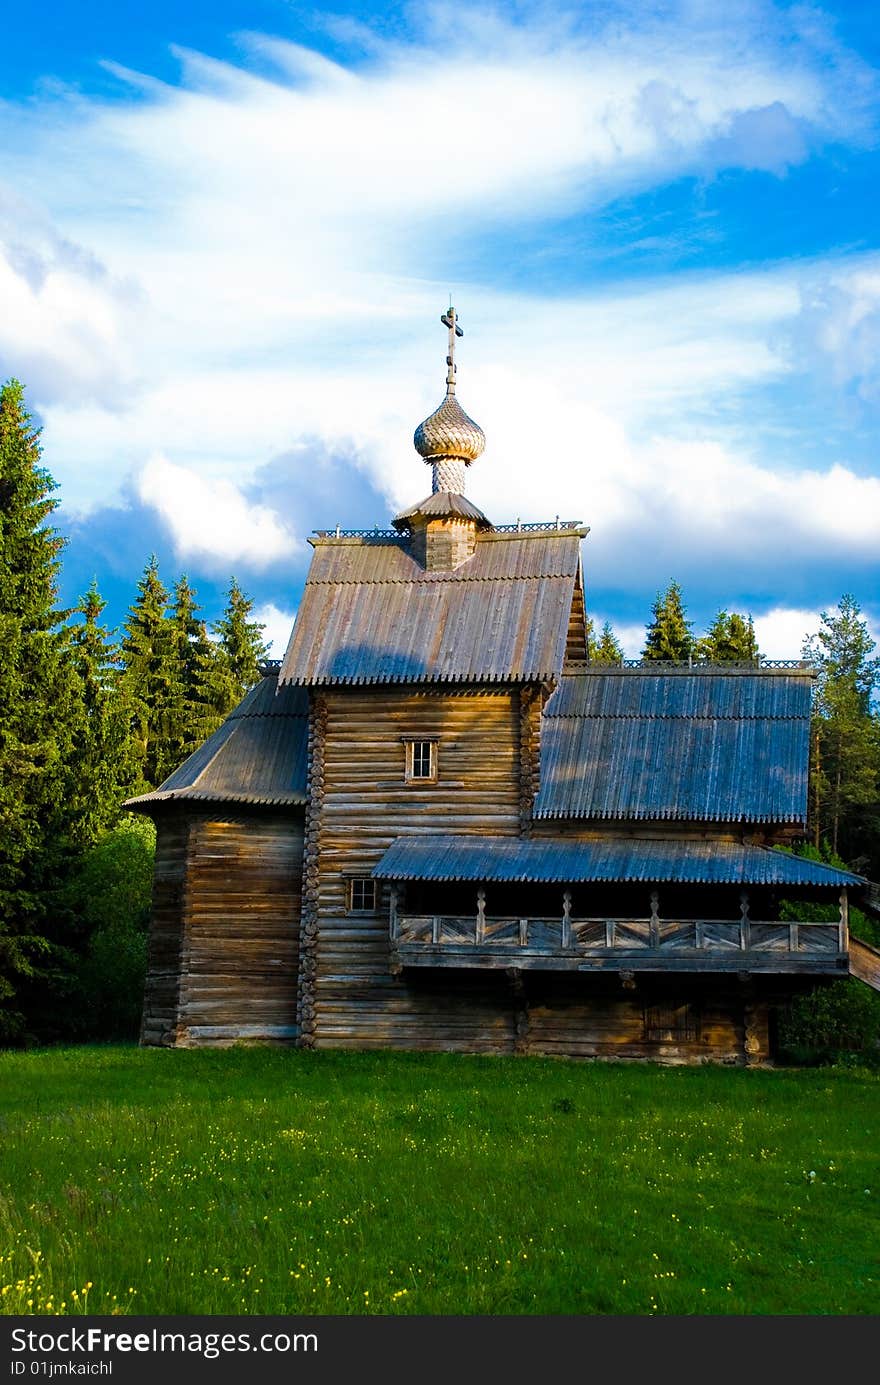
{"x": 721, "y": 1021}
{"x": 161, "y": 1014}
{"x": 224, "y": 936}
{"x": 366, "y": 803}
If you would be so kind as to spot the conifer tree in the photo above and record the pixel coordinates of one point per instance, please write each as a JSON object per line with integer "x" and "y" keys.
{"x": 149, "y": 676}
{"x": 730, "y": 639}
{"x": 102, "y": 769}
{"x": 191, "y": 714}
{"x": 669, "y": 634}
{"x": 37, "y": 699}
{"x": 608, "y": 649}
{"x": 242, "y": 648}
{"x": 845, "y": 767}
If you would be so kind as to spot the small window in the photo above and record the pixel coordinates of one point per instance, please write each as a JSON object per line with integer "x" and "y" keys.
{"x": 421, "y": 760}
{"x": 667, "y": 1024}
{"x": 362, "y": 895}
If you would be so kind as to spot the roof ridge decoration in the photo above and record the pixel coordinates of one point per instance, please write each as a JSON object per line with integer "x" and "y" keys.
{"x": 448, "y": 440}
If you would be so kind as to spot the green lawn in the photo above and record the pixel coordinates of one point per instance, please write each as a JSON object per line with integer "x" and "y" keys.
{"x": 265, "y": 1181}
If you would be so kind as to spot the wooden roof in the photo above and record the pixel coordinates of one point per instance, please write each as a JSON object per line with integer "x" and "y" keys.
{"x": 709, "y": 744}
{"x": 259, "y": 755}
{"x": 371, "y": 613}
{"x": 565, "y": 860}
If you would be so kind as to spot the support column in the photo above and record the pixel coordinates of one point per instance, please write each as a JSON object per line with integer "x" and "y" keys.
{"x": 745, "y": 939}
{"x": 754, "y": 1022}
{"x": 481, "y": 917}
{"x": 566, "y": 919}
{"x": 520, "y": 1011}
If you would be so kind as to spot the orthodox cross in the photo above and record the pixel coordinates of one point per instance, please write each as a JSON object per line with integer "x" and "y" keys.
{"x": 450, "y": 320}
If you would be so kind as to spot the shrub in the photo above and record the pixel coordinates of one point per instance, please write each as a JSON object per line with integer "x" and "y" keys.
{"x": 832, "y": 1024}
{"x": 110, "y": 898}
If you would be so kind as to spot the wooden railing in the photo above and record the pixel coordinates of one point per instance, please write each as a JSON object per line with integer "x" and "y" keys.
{"x": 634, "y": 943}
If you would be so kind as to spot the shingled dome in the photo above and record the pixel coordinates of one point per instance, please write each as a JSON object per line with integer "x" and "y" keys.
{"x": 449, "y": 432}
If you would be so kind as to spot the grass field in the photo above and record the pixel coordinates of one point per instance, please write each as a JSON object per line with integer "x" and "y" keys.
{"x": 261, "y": 1181}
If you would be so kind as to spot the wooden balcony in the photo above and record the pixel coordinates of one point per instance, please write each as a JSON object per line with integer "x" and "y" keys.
{"x": 621, "y": 945}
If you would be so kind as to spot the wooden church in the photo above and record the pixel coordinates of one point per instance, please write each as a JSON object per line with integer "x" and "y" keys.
{"x": 438, "y": 826}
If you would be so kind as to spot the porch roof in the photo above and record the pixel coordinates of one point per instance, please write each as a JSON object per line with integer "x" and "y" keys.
{"x": 563, "y": 860}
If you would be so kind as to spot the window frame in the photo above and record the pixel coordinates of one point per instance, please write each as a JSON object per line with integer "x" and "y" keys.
{"x": 354, "y": 881}
{"x": 409, "y": 746}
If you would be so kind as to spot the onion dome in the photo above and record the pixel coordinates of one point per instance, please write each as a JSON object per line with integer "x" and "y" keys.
{"x": 449, "y": 433}
{"x": 449, "y": 440}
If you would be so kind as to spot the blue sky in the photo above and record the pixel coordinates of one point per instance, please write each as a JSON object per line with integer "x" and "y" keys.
{"x": 227, "y": 233}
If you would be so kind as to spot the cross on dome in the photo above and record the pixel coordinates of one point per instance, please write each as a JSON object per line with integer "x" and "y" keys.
{"x": 449, "y": 440}
{"x": 450, "y": 320}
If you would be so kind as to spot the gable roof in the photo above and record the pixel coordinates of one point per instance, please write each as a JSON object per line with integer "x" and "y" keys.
{"x": 258, "y": 755}
{"x": 371, "y": 613}
{"x": 705, "y": 744}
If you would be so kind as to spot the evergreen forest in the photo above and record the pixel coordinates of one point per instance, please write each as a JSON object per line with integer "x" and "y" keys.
{"x": 91, "y": 716}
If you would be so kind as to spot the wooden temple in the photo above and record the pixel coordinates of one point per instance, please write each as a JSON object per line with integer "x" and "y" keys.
{"x": 436, "y": 825}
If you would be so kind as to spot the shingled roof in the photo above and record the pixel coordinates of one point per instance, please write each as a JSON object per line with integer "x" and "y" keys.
{"x": 371, "y": 613}
{"x": 705, "y": 744}
{"x": 258, "y": 755}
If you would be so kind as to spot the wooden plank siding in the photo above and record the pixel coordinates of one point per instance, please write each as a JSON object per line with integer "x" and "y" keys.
{"x": 366, "y": 803}
{"x": 224, "y": 937}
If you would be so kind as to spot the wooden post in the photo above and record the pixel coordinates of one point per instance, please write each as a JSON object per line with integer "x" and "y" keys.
{"x": 566, "y": 919}
{"x": 481, "y": 917}
{"x": 752, "y": 1023}
{"x": 520, "y": 1011}
{"x": 699, "y": 936}
{"x": 523, "y": 932}
{"x": 393, "y": 922}
{"x": 609, "y": 933}
{"x": 435, "y": 929}
{"x": 793, "y": 937}
{"x": 654, "y": 926}
{"x": 745, "y": 930}
{"x": 843, "y": 925}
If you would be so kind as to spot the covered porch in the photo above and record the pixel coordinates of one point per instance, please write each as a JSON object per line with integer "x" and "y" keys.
{"x": 615, "y": 904}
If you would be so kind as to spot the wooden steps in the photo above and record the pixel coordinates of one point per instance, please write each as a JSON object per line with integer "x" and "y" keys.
{"x": 864, "y": 963}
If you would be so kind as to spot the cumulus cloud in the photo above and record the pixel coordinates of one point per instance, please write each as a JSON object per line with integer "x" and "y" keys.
{"x": 278, "y": 625}
{"x": 212, "y": 520}
{"x": 225, "y": 282}
{"x": 838, "y": 328}
{"x": 783, "y": 630}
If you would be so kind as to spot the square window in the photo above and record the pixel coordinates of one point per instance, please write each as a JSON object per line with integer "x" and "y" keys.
{"x": 421, "y": 760}
{"x": 362, "y": 895}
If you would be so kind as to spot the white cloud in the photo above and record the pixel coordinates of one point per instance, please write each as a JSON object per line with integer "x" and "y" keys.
{"x": 631, "y": 637}
{"x": 206, "y": 276}
{"x": 212, "y": 520}
{"x": 839, "y": 326}
{"x": 782, "y": 631}
{"x": 278, "y": 625}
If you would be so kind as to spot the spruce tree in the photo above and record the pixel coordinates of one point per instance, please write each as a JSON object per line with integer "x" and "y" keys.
{"x": 730, "y": 639}
{"x": 242, "y": 648}
{"x": 669, "y": 634}
{"x": 191, "y": 714}
{"x": 149, "y": 677}
{"x": 608, "y": 649}
{"x": 102, "y": 769}
{"x": 37, "y": 702}
{"x": 845, "y": 768}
